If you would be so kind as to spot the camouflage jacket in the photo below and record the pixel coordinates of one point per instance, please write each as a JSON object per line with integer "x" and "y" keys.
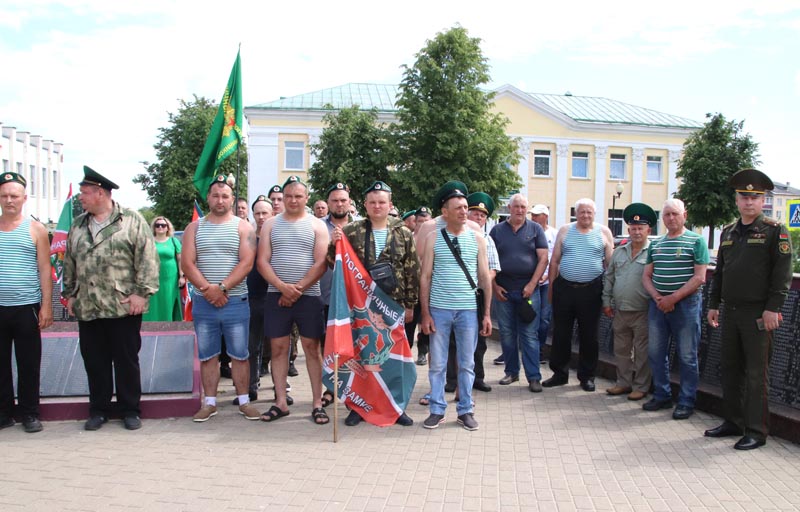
{"x": 404, "y": 262}
{"x": 100, "y": 272}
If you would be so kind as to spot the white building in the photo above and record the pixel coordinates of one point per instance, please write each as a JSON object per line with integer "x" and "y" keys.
{"x": 41, "y": 162}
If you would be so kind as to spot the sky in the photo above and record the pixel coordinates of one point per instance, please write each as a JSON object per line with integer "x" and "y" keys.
{"x": 101, "y": 76}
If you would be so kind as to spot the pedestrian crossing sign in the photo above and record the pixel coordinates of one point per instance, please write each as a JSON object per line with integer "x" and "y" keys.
{"x": 794, "y": 213}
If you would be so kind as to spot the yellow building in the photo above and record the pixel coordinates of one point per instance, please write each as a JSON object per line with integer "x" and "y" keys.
{"x": 569, "y": 146}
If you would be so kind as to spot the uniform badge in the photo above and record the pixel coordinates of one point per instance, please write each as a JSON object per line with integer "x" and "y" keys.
{"x": 783, "y": 247}
{"x": 783, "y": 236}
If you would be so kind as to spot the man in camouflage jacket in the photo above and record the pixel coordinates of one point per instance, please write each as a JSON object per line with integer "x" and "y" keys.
{"x": 110, "y": 271}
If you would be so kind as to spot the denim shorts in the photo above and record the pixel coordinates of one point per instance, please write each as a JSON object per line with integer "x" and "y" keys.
{"x": 211, "y": 323}
{"x": 307, "y": 313}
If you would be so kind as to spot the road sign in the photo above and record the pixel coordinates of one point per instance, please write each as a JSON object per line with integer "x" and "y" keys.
{"x": 794, "y": 213}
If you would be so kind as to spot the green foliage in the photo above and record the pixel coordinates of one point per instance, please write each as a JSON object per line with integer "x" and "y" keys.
{"x": 353, "y": 149}
{"x": 148, "y": 213}
{"x": 710, "y": 156}
{"x": 168, "y": 181}
{"x": 446, "y": 129}
{"x": 795, "y": 235}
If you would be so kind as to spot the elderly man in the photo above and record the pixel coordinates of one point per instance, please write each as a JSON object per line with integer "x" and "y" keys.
{"x": 320, "y": 209}
{"x": 752, "y": 279}
{"x": 291, "y": 257}
{"x": 218, "y": 253}
{"x": 110, "y": 272}
{"x": 25, "y": 303}
{"x": 626, "y": 301}
{"x": 455, "y": 259}
{"x": 676, "y": 268}
{"x": 583, "y": 250}
{"x": 522, "y": 248}
{"x": 540, "y": 214}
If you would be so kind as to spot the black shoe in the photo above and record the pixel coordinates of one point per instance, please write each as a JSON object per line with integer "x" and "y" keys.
{"x": 749, "y": 443}
{"x": 555, "y": 380}
{"x": 508, "y": 380}
{"x": 31, "y": 424}
{"x": 353, "y": 419}
{"x": 6, "y": 421}
{"x": 422, "y": 360}
{"x": 543, "y": 361}
{"x": 726, "y": 429}
{"x": 292, "y": 370}
{"x": 132, "y": 422}
{"x": 404, "y": 420}
{"x": 450, "y": 387}
{"x": 499, "y": 361}
{"x": 588, "y": 385}
{"x": 225, "y": 372}
{"x": 654, "y": 404}
{"x": 682, "y": 412}
{"x": 480, "y": 385}
{"x": 95, "y": 422}
{"x": 263, "y": 371}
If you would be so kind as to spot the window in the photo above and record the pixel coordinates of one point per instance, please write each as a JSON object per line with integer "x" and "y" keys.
{"x": 779, "y": 215}
{"x": 32, "y": 182}
{"x": 55, "y": 184}
{"x": 654, "y": 168}
{"x": 580, "y": 164}
{"x": 44, "y": 182}
{"x": 5, "y": 165}
{"x": 617, "y": 167}
{"x": 293, "y": 155}
{"x": 768, "y": 199}
{"x": 19, "y": 169}
{"x": 541, "y": 162}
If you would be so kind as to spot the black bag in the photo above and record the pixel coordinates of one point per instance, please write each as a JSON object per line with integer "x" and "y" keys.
{"x": 381, "y": 272}
{"x": 525, "y": 311}
{"x": 480, "y": 299}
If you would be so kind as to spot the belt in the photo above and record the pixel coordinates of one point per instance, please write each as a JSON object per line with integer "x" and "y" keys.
{"x": 573, "y": 284}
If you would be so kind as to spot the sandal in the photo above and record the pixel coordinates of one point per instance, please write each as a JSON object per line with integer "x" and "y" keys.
{"x": 273, "y": 414}
{"x": 425, "y": 401}
{"x": 327, "y": 398}
{"x": 319, "y": 416}
{"x": 289, "y": 399}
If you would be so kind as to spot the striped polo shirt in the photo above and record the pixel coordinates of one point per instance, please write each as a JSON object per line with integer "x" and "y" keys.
{"x": 674, "y": 259}
{"x": 19, "y": 273}
{"x": 582, "y": 254}
{"x": 293, "y": 251}
{"x": 450, "y": 288}
{"x": 217, "y": 247}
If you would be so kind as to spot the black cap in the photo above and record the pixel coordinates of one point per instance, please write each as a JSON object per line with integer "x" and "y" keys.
{"x": 12, "y": 177}
{"x": 750, "y": 182}
{"x": 262, "y": 197}
{"x": 639, "y": 213}
{"x": 92, "y": 177}
{"x": 449, "y": 190}
{"x": 481, "y": 201}
{"x": 378, "y": 186}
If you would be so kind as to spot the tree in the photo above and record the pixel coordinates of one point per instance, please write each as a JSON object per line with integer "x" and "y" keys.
{"x": 710, "y": 156}
{"x": 353, "y": 149}
{"x": 446, "y": 129}
{"x": 168, "y": 181}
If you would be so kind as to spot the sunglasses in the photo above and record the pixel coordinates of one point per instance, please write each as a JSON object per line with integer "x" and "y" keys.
{"x": 160, "y": 225}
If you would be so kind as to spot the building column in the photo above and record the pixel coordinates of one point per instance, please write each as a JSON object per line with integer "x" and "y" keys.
{"x": 672, "y": 177}
{"x": 561, "y": 207}
{"x": 600, "y": 178}
{"x": 262, "y": 161}
{"x": 637, "y": 178}
{"x": 313, "y": 139}
{"x": 523, "y": 169}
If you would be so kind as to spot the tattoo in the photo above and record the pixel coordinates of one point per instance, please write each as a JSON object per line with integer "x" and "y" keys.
{"x": 251, "y": 240}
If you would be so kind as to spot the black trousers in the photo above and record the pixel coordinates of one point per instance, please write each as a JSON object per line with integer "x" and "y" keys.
{"x": 581, "y": 302}
{"x": 255, "y": 340}
{"x": 411, "y": 327}
{"x": 20, "y": 325}
{"x": 110, "y": 349}
{"x": 424, "y": 345}
{"x": 452, "y": 358}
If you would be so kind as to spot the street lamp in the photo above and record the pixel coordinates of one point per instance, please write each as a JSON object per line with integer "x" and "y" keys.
{"x": 611, "y": 221}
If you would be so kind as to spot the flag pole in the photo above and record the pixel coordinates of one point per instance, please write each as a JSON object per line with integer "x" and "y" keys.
{"x": 336, "y": 397}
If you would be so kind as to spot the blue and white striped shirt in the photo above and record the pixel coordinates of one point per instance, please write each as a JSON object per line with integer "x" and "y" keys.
{"x": 293, "y": 251}
{"x": 450, "y": 288}
{"x": 217, "y": 247}
{"x": 582, "y": 255}
{"x": 19, "y": 273}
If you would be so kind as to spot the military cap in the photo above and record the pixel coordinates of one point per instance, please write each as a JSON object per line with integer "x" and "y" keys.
{"x": 750, "y": 182}
{"x": 275, "y": 189}
{"x": 228, "y": 180}
{"x": 378, "y": 186}
{"x": 423, "y": 211}
{"x": 408, "y": 214}
{"x": 639, "y": 213}
{"x": 262, "y": 197}
{"x": 481, "y": 201}
{"x": 292, "y": 179}
{"x": 92, "y": 177}
{"x": 337, "y": 186}
{"x": 449, "y": 190}
{"x": 12, "y": 177}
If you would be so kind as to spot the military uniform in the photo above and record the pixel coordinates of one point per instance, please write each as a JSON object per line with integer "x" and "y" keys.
{"x": 753, "y": 274}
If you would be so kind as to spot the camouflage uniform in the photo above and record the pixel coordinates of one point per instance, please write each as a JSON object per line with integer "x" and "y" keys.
{"x": 405, "y": 261}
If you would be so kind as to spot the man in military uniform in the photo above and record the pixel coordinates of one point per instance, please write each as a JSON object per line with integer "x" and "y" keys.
{"x": 382, "y": 238}
{"x": 752, "y": 278}
{"x": 110, "y": 272}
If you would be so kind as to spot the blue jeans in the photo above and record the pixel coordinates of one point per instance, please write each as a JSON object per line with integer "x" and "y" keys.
{"x": 231, "y": 320}
{"x": 516, "y": 335}
{"x": 465, "y": 325}
{"x": 683, "y": 324}
{"x": 547, "y": 313}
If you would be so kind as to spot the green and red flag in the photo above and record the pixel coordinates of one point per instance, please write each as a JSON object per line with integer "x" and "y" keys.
{"x": 186, "y": 291}
{"x": 366, "y": 329}
{"x": 59, "y": 244}
{"x": 226, "y": 132}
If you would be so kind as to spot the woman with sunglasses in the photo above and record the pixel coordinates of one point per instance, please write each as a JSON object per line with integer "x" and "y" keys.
{"x": 165, "y": 305}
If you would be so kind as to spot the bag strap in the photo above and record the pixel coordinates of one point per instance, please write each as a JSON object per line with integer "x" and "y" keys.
{"x": 458, "y": 259}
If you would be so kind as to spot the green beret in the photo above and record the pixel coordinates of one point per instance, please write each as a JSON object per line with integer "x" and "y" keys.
{"x": 750, "y": 182}
{"x": 449, "y": 190}
{"x": 92, "y": 177}
{"x": 12, "y": 177}
{"x": 423, "y": 210}
{"x": 262, "y": 197}
{"x": 481, "y": 201}
{"x": 293, "y": 179}
{"x": 228, "y": 180}
{"x": 337, "y": 186}
{"x": 409, "y": 213}
{"x": 275, "y": 189}
{"x": 639, "y": 213}
{"x": 378, "y": 186}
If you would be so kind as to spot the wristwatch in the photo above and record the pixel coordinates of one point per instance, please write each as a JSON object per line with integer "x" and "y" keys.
{"x": 223, "y": 288}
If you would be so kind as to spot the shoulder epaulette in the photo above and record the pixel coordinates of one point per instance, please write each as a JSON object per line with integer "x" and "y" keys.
{"x": 729, "y": 226}
{"x": 772, "y": 222}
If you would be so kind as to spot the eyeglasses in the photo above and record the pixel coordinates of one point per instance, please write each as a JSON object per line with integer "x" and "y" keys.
{"x": 160, "y": 225}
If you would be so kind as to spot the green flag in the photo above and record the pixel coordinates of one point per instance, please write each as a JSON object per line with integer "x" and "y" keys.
{"x": 225, "y": 134}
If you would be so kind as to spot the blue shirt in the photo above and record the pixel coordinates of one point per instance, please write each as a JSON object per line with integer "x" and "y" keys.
{"x": 517, "y": 252}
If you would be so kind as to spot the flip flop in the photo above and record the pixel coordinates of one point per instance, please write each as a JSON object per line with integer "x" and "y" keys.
{"x": 274, "y": 413}
{"x": 319, "y": 416}
{"x": 327, "y": 398}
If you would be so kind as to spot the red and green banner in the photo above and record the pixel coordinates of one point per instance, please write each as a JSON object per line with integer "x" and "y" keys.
{"x": 225, "y": 134}
{"x": 58, "y": 246}
{"x": 377, "y": 373}
{"x": 186, "y": 291}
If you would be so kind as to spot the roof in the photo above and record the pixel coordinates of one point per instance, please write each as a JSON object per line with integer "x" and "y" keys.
{"x": 785, "y": 190}
{"x": 582, "y": 109}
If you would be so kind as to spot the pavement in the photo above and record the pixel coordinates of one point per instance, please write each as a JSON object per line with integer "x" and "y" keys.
{"x": 560, "y": 450}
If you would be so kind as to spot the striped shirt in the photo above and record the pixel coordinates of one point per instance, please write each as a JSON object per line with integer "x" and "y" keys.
{"x": 450, "y": 288}
{"x": 217, "y": 247}
{"x": 379, "y": 236}
{"x": 19, "y": 273}
{"x": 293, "y": 251}
{"x": 674, "y": 259}
{"x": 582, "y": 254}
